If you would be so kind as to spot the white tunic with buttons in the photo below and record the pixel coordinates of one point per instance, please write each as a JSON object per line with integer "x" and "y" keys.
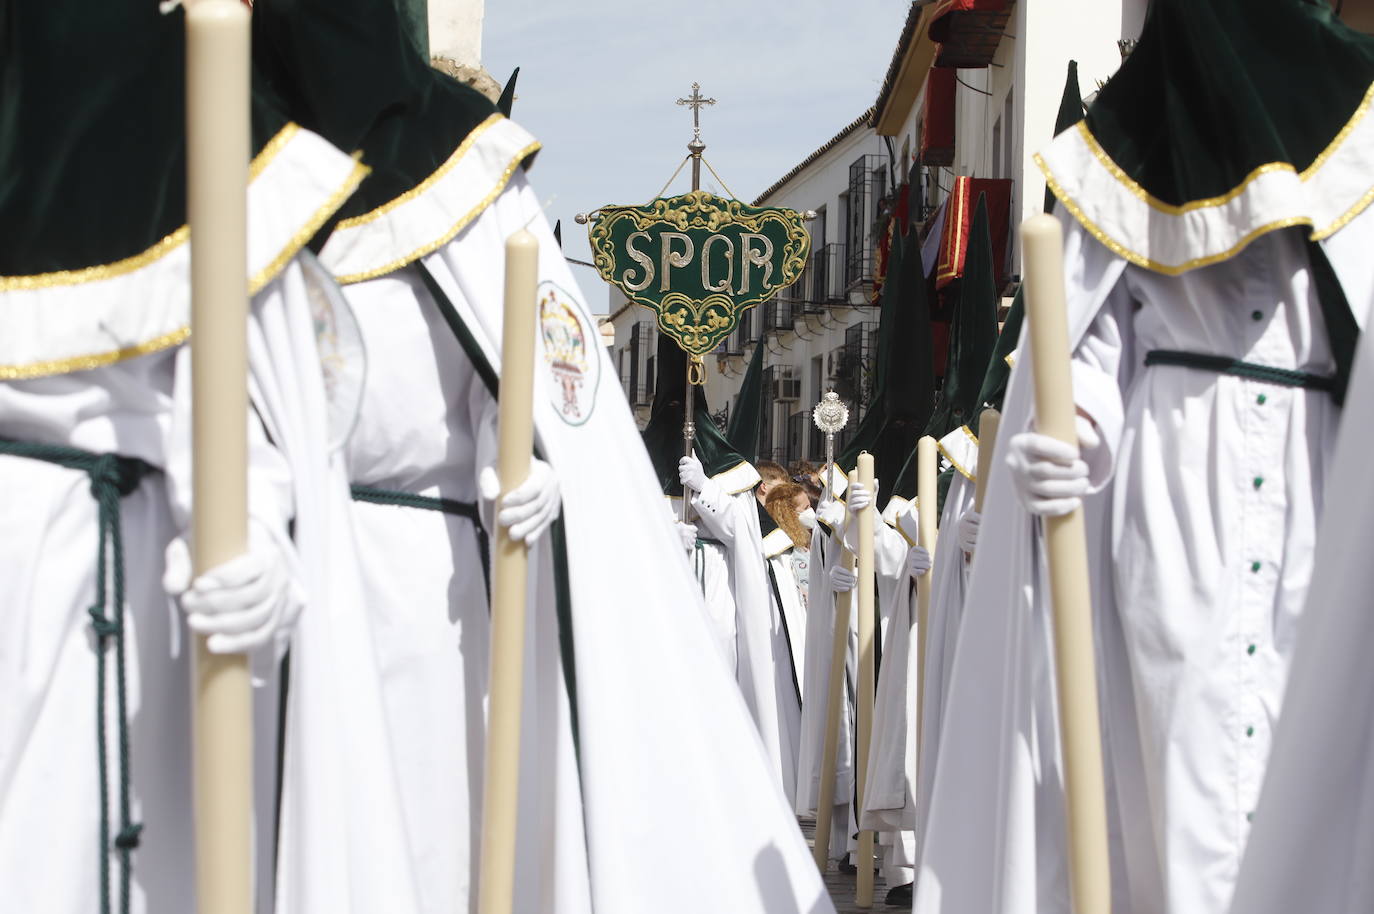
{"x": 1216, "y": 487}
{"x": 1217, "y": 493}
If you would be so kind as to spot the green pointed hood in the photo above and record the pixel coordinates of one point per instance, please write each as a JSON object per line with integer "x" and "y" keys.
{"x": 972, "y": 332}
{"x": 1230, "y": 119}
{"x": 1070, "y": 113}
{"x": 351, "y": 71}
{"x": 747, "y": 419}
{"x": 994, "y": 386}
{"x": 663, "y": 435}
{"x": 507, "y": 99}
{"x": 904, "y": 369}
{"x": 93, "y": 131}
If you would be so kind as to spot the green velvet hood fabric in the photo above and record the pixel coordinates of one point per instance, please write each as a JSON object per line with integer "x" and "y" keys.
{"x": 904, "y": 392}
{"x": 746, "y": 420}
{"x": 972, "y": 332}
{"x": 351, "y": 71}
{"x": 1217, "y": 88}
{"x": 994, "y": 387}
{"x": 92, "y": 131}
{"x": 663, "y": 435}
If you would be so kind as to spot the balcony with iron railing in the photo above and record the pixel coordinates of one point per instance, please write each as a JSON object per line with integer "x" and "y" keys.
{"x": 778, "y": 315}
{"x": 823, "y": 277}
{"x": 859, "y": 268}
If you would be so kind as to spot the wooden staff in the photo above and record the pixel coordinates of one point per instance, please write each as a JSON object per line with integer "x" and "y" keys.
{"x": 987, "y": 440}
{"x": 218, "y": 148}
{"x": 1067, "y": 551}
{"x": 839, "y": 648}
{"x": 496, "y": 882}
{"x": 863, "y": 894}
{"x": 927, "y": 497}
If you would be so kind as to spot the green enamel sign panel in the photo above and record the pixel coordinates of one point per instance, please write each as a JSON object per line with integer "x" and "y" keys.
{"x": 698, "y": 261}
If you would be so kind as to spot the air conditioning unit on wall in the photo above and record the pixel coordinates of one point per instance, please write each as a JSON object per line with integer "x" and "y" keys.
{"x": 787, "y": 389}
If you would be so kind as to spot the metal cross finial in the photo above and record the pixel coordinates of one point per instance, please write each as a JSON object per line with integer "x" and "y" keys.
{"x": 695, "y": 101}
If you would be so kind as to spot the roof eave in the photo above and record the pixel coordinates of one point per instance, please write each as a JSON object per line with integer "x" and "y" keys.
{"x": 916, "y": 55}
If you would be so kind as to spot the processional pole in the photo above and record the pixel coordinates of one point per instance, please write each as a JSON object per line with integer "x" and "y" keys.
{"x": 218, "y": 149}
{"x": 830, "y": 416}
{"x": 927, "y": 497}
{"x": 515, "y": 436}
{"x": 863, "y": 893}
{"x": 696, "y": 368}
{"x": 987, "y": 440}
{"x": 1067, "y": 551}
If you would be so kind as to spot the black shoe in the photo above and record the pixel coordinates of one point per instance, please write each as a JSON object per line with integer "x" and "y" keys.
{"x": 899, "y": 896}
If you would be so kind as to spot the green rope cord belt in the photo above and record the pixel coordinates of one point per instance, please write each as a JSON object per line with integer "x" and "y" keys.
{"x": 699, "y": 559}
{"x": 376, "y": 496}
{"x": 1221, "y": 364}
{"x": 112, "y": 478}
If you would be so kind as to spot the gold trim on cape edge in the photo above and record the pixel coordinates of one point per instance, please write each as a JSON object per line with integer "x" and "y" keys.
{"x": 940, "y": 445}
{"x": 1178, "y": 209}
{"x": 174, "y": 337}
{"x": 309, "y": 228}
{"x": 86, "y": 362}
{"x": 1141, "y": 260}
{"x": 427, "y": 183}
{"x": 450, "y": 233}
{"x": 911, "y": 506}
{"x": 159, "y": 250}
{"x": 777, "y": 552}
{"x": 1317, "y": 234}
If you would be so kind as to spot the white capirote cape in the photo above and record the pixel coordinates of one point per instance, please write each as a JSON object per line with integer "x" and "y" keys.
{"x": 789, "y": 603}
{"x": 949, "y": 581}
{"x": 763, "y": 665}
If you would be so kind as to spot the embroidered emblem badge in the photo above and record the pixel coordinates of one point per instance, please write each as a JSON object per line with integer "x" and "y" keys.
{"x": 574, "y": 365}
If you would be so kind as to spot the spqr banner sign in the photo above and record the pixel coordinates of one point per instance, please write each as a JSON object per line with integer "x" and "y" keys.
{"x": 698, "y": 261}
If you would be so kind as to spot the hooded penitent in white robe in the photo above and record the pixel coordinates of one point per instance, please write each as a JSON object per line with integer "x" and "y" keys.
{"x": 728, "y": 511}
{"x": 825, "y": 553}
{"x": 631, "y": 698}
{"x": 789, "y": 602}
{"x": 1201, "y": 545}
{"x": 426, "y": 427}
{"x": 130, "y": 398}
{"x": 890, "y": 773}
{"x": 949, "y": 576}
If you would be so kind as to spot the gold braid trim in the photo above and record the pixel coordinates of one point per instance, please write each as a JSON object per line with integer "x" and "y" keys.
{"x": 86, "y": 362}
{"x": 159, "y": 250}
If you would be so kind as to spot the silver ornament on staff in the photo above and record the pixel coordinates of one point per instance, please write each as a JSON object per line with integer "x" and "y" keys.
{"x": 696, "y": 369}
{"x": 830, "y": 416}
{"x": 696, "y": 374}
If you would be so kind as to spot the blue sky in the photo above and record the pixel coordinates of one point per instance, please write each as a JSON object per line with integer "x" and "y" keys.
{"x": 598, "y": 80}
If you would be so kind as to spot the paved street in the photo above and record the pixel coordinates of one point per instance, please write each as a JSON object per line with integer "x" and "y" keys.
{"x": 841, "y": 886}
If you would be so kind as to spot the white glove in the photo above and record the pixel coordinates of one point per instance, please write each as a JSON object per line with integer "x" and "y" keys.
{"x": 917, "y": 561}
{"x": 1050, "y": 476}
{"x": 690, "y": 474}
{"x": 831, "y": 513}
{"x": 842, "y": 580}
{"x": 240, "y": 604}
{"x": 688, "y": 533}
{"x": 859, "y": 497}
{"x": 530, "y": 507}
{"x": 968, "y": 530}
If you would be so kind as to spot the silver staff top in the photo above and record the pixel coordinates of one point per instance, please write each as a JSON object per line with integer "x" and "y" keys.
{"x": 830, "y": 415}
